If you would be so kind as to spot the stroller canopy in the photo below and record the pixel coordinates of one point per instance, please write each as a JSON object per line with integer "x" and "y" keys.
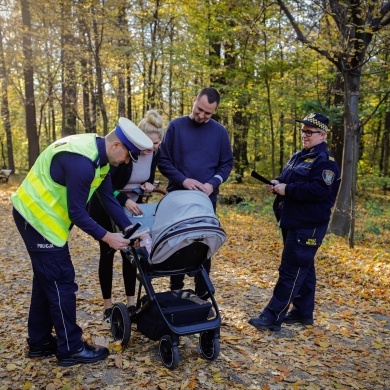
{"x": 181, "y": 218}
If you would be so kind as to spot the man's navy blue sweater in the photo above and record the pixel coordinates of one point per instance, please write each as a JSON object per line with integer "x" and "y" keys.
{"x": 195, "y": 151}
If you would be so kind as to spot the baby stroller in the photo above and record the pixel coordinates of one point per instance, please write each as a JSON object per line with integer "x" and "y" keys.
{"x": 185, "y": 233}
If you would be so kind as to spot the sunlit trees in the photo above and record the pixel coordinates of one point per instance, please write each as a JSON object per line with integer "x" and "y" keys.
{"x": 89, "y": 62}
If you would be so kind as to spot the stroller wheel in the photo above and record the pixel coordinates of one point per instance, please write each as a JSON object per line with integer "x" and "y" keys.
{"x": 169, "y": 352}
{"x": 209, "y": 345}
{"x": 120, "y": 323}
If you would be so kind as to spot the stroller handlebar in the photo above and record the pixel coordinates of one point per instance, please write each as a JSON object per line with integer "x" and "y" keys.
{"x": 132, "y": 230}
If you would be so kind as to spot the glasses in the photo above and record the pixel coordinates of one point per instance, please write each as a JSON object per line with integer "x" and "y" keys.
{"x": 309, "y": 133}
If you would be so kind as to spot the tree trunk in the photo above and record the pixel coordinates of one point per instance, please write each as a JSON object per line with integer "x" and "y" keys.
{"x": 241, "y": 127}
{"x": 28, "y": 71}
{"x": 122, "y": 24}
{"x": 343, "y": 218}
{"x": 358, "y": 21}
{"x": 69, "y": 92}
{"x": 385, "y": 155}
{"x": 336, "y": 146}
{"x": 86, "y": 96}
{"x": 99, "y": 77}
{"x": 129, "y": 91}
{"x": 271, "y": 126}
{"x": 5, "y": 116}
{"x": 152, "y": 72}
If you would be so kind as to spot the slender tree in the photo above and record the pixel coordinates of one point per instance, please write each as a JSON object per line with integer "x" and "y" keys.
{"x": 69, "y": 83}
{"x": 5, "y": 115}
{"x": 28, "y": 70}
{"x": 122, "y": 25}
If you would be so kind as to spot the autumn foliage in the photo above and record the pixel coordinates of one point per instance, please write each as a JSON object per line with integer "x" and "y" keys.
{"x": 347, "y": 348}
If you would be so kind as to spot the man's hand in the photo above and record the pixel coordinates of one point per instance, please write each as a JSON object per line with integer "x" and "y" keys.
{"x": 133, "y": 207}
{"x": 116, "y": 241}
{"x": 209, "y": 189}
{"x": 192, "y": 184}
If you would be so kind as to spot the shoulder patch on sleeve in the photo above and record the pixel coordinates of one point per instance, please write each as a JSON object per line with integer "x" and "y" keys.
{"x": 331, "y": 158}
{"x": 328, "y": 176}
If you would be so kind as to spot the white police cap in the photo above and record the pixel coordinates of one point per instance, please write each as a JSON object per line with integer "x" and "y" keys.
{"x": 132, "y": 136}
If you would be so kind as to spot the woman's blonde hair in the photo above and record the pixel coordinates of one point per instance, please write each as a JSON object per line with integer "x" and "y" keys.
{"x": 152, "y": 123}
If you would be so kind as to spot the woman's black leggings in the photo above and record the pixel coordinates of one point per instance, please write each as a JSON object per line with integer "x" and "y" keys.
{"x": 106, "y": 265}
{"x": 106, "y": 260}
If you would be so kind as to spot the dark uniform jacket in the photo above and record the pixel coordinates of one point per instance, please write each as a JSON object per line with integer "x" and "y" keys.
{"x": 313, "y": 179}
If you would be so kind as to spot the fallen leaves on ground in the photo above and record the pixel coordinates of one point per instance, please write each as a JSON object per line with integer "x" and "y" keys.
{"x": 347, "y": 348}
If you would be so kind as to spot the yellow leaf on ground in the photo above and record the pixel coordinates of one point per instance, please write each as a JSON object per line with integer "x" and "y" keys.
{"x": 378, "y": 345}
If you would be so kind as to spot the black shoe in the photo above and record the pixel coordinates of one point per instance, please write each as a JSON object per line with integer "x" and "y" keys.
{"x": 107, "y": 315}
{"x": 87, "y": 354}
{"x": 264, "y": 323}
{"x": 47, "y": 349}
{"x": 293, "y": 318}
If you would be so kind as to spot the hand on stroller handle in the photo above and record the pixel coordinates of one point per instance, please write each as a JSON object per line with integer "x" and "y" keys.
{"x": 129, "y": 233}
{"x": 132, "y": 230}
{"x": 137, "y": 235}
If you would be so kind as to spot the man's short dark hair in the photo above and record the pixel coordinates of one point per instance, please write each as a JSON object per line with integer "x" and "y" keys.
{"x": 212, "y": 95}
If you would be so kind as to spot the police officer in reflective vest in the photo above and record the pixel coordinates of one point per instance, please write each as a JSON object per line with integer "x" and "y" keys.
{"x": 51, "y": 199}
{"x": 306, "y": 191}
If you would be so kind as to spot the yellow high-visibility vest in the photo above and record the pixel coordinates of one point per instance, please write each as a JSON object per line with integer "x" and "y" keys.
{"x": 42, "y": 201}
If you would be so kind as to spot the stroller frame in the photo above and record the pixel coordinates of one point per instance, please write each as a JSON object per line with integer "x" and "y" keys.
{"x": 181, "y": 241}
{"x": 208, "y": 328}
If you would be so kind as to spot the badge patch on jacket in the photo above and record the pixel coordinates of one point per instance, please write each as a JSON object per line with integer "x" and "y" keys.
{"x": 328, "y": 176}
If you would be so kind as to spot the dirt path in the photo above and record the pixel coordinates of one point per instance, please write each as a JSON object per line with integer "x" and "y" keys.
{"x": 348, "y": 348}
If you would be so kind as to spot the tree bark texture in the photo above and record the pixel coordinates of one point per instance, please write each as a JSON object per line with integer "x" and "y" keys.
{"x": 28, "y": 70}
{"x": 5, "y": 116}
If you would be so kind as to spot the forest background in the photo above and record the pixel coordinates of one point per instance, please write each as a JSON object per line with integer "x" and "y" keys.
{"x": 71, "y": 67}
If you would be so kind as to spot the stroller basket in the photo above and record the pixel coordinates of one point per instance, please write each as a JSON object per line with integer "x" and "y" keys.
{"x": 181, "y": 309}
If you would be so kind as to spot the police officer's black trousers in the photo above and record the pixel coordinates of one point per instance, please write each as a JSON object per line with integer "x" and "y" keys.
{"x": 297, "y": 277}
{"x": 53, "y": 296}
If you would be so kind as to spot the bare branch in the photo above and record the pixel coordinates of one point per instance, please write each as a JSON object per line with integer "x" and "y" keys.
{"x": 376, "y": 109}
{"x": 302, "y": 38}
{"x": 384, "y": 18}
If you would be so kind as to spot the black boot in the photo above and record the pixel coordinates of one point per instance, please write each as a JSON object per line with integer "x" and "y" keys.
{"x": 86, "y": 354}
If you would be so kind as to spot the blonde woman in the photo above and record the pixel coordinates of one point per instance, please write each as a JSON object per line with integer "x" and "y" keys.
{"x": 138, "y": 174}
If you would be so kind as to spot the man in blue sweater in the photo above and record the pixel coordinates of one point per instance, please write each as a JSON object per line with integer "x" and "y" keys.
{"x": 196, "y": 155}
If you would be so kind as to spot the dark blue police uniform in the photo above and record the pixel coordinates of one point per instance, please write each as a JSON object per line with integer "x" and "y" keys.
{"x": 313, "y": 178}
{"x": 53, "y": 296}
